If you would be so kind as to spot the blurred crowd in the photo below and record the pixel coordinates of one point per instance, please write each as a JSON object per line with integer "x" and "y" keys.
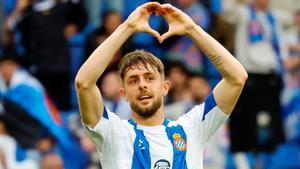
{"x": 44, "y": 42}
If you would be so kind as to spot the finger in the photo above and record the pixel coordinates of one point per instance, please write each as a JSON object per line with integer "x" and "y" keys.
{"x": 153, "y": 33}
{"x": 168, "y": 8}
{"x": 165, "y": 36}
{"x": 152, "y": 7}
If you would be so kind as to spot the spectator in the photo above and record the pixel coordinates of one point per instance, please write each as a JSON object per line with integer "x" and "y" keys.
{"x": 51, "y": 161}
{"x": 183, "y": 49}
{"x": 178, "y": 76}
{"x": 86, "y": 143}
{"x": 291, "y": 93}
{"x": 11, "y": 153}
{"x": 199, "y": 88}
{"x": 111, "y": 21}
{"x": 111, "y": 85}
{"x": 37, "y": 128}
{"x": 44, "y": 26}
{"x": 179, "y": 97}
{"x": 96, "y": 8}
{"x": 18, "y": 82}
{"x": 256, "y": 124}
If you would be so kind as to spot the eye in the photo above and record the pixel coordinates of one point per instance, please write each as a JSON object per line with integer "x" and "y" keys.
{"x": 132, "y": 82}
{"x": 150, "y": 78}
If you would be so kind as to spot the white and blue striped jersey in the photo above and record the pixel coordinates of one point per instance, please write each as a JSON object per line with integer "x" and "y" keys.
{"x": 174, "y": 145}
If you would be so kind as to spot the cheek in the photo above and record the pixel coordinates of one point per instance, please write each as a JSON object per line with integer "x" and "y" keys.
{"x": 130, "y": 93}
{"x": 161, "y": 91}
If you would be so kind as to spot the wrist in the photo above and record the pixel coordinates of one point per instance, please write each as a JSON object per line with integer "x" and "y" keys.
{"x": 193, "y": 29}
{"x": 129, "y": 28}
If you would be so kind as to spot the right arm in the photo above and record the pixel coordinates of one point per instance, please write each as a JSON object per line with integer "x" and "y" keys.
{"x": 89, "y": 96}
{"x": 12, "y": 20}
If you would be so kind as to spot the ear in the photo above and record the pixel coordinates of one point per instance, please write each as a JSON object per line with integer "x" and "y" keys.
{"x": 122, "y": 93}
{"x": 166, "y": 86}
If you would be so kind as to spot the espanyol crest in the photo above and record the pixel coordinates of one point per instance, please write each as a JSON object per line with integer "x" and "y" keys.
{"x": 179, "y": 142}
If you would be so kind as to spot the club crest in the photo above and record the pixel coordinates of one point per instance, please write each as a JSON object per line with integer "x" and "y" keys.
{"x": 179, "y": 142}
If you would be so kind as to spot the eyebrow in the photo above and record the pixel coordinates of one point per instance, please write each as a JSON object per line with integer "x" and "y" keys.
{"x": 136, "y": 76}
{"x": 149, "y": 73}
{"x": 133, "y": 77}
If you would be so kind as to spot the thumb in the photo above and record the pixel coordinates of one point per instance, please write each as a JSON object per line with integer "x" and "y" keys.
{"x": 165, "y": 36}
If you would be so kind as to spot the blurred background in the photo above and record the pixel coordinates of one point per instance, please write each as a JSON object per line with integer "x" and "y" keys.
{"x": 44, "y": 42}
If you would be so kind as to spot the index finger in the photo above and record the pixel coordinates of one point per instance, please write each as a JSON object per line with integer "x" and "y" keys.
{"x": 152, "y": 7}
{"x": 168, "y": 8}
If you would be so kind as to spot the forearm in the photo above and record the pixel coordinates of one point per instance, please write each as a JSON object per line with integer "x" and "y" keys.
{"x": 95, "y": 65}
{"x": 226, "y": 64}
{"x": 13, "y": 19}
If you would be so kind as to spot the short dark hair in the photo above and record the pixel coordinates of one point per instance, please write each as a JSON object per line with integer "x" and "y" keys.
{"x": 9, "y": 54}
{"x": 137, "y": 58}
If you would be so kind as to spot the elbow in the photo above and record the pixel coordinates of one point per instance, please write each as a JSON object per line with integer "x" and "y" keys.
{"x": 239, "y": 79}
{"x": 242, "y": 78}
{"x": 81, "y": 83}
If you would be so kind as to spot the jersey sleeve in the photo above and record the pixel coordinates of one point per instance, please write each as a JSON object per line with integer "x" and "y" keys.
{"x": 105, "y": 129}
{"x": 204, "y": 119}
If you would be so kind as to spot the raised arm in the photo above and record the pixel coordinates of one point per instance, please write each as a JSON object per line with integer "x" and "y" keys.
{"x": 89, "y": 96}
{"x": 228, "y": 90}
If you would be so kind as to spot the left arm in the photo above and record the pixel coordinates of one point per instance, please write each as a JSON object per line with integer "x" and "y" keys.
{"x": 233, "y": 74}
{"x": 228, "y": 90}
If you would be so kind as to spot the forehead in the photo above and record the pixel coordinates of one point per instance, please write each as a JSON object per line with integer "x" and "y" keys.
{"x": 140, "y": 69}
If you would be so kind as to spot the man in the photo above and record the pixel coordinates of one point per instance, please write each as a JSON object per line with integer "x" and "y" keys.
{"x": 60, "y": 19}
{"x": 148, "y": 140}
{"x": 291, "y": 93}
{"x": 259, "y": 47}
{"x": 112, "y": 99}
{"x": 12, "y": 155}
{"x": 33, "y": 126}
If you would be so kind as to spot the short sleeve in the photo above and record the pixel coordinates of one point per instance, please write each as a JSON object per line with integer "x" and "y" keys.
{"x": 105, "y": 129}
{"x": 204, "y": 119}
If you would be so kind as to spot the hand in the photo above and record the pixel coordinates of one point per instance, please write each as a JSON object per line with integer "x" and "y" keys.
{"x": 295, "y": 47}
{"x": 292, "y": 62}
{"x": 179, "y": 22}
{"x": 22, "y": 4}
{"x": 138, "y": 19}
{"x": 70, "y": 30}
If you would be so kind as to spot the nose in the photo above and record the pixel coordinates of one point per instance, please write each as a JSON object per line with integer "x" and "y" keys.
{"x": 143, "y": 84}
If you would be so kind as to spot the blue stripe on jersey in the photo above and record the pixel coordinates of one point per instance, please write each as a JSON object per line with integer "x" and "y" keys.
{"x": 210, "y": 103}
{"x": 141, "y": 156}
{"x": 178, "y": 140}
{"x": 105, "y": 114}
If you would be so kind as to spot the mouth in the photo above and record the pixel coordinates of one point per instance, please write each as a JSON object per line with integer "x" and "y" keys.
{"x": 144, "y": 98}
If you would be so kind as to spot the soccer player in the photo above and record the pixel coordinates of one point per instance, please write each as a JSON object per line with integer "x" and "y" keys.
{"x": 148, "y": 140}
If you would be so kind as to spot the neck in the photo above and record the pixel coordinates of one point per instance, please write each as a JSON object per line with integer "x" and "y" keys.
{"x": 156, "y": 119}
{"x": 13, "y": 70}
{"x": 116, "y": 98}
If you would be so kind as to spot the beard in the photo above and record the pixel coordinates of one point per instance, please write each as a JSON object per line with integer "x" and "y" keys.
{"x": 148, "y": 110}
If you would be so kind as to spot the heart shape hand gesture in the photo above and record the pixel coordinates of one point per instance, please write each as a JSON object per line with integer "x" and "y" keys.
{"x": 179, "y": 23}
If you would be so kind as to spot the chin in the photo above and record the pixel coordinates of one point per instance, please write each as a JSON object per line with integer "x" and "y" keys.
{"x": 146, "y": 109}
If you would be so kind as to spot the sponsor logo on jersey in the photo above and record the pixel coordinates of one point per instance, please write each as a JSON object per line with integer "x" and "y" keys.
{"x": 179, "y": 142}
{"x": 162, "y": 164}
